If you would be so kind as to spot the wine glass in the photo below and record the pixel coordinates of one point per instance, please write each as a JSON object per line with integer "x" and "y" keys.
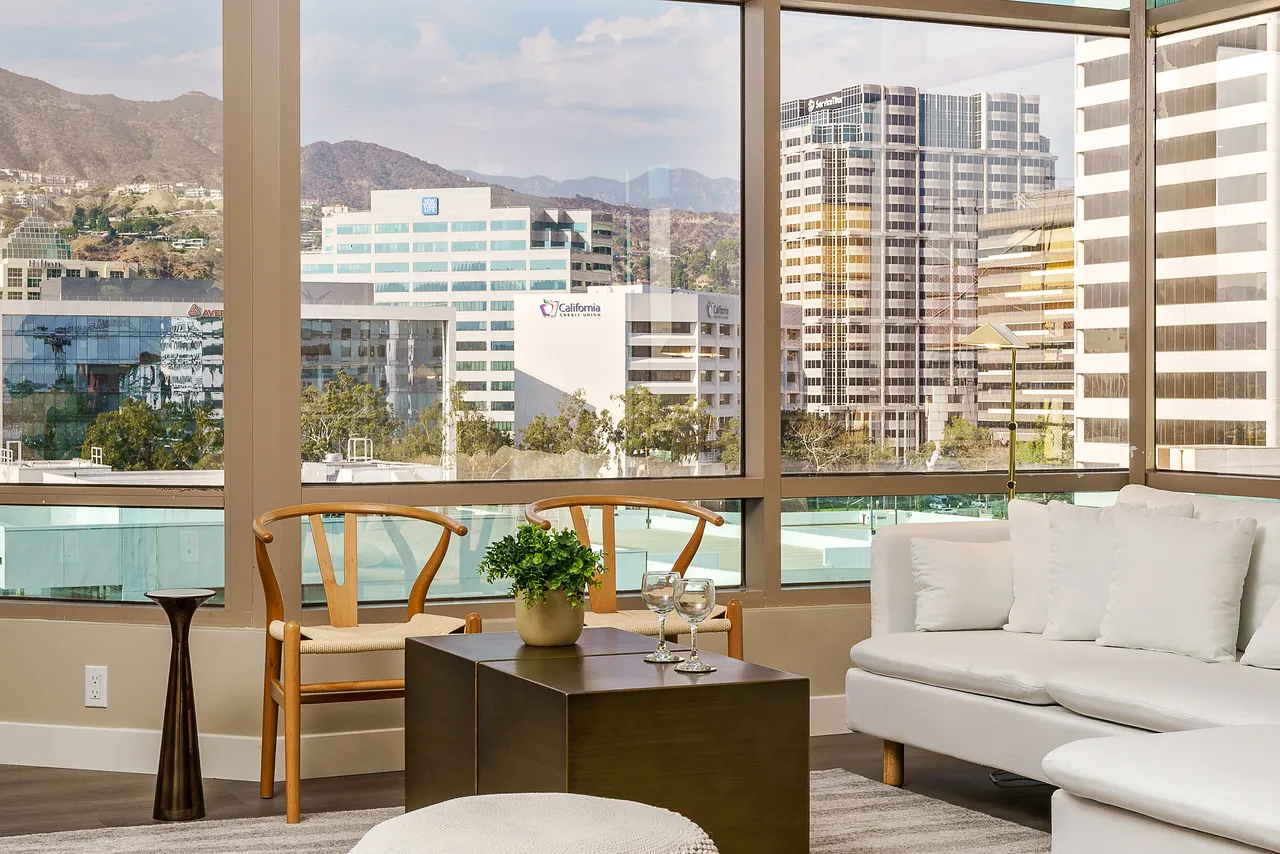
{"x": 658, "y": 589}
{"x": 695, "y": 599}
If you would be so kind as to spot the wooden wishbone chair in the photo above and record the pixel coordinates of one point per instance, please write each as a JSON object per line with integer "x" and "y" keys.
{"x": 604, "y": 599}
{"x": 288, "y": 641}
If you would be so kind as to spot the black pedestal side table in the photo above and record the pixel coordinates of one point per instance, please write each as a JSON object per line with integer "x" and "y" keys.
{"x": 179, "y": 787}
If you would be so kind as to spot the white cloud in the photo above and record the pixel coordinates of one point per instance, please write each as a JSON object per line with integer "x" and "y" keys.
{"x": 607, "y": 96}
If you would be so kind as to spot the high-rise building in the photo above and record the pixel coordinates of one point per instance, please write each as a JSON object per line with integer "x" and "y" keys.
{"x": 1218, "y": 96}
{"x": 463, "y": 248}
{"x": 1026, "y": 281}
{"x": 881, "y": 191}
{"x": 33, "y": 254}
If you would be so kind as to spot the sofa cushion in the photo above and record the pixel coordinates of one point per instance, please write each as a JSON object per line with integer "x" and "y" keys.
{"x": 1262, "y": 584}
{"x": 1219, "y": 781}
{"x": 1168, "y": 692}
{"x": 1007, "y": 665}
{"x": 961, "y": 586}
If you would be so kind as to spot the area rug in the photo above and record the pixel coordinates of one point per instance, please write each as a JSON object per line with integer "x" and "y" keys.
{"x": 849, "y": 815}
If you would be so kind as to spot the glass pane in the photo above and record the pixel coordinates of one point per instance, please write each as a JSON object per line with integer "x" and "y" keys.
{"x": 112, "y": 554}
{"x": 111, "y": 259}
{"x": 588, "y": 322}
{"x": 391, "y": 552}
{"x": 1216, "y": 403}
{"x": 828, "y": 540}
{"x": 926, "y": 193}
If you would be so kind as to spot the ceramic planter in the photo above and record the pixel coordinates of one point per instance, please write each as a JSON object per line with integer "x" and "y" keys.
{"x": 554, "y": 622}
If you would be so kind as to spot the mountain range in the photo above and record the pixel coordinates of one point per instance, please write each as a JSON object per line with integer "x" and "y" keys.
{"x": 684, "y": 189}
{"x": 113, "y": 140}
{"x": 46, "y": 129}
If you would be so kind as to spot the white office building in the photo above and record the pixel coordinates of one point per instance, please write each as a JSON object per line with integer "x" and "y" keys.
{"x": 677, "y": 344}
{"x": 881, "y": 191}
{"x": 463, "y": 249}
{"x": 1216, "y": 240}
{"x": 33, "y": 256}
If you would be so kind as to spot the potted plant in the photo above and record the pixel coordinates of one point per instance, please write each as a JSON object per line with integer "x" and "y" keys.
{"x": 550, "y": 572}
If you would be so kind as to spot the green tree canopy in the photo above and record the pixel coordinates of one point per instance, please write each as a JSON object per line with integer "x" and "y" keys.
{"x": 344, "y": 408}
{"x": 575, "y": 427}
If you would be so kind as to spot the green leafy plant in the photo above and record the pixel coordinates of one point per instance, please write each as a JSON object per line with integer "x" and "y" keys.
{"x": 538, "y": 561}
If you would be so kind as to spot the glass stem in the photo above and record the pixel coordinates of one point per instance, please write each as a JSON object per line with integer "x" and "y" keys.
{"x": 693, "y": 641}
{"x": 662, "y": 633}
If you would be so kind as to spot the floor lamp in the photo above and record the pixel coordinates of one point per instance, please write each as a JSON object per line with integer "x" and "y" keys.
{"x": 996, "y": 336}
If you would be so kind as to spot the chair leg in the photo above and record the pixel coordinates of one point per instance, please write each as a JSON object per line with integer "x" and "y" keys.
{"x": 894, "y": 762}
{"x": 734, "y": 613}
{"x": 292, "y": 721}
{"x": 474, "y": 624}
{"x": 270, "y": 720}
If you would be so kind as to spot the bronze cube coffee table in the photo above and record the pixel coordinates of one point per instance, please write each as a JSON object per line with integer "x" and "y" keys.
{"x": 485, "y": 714}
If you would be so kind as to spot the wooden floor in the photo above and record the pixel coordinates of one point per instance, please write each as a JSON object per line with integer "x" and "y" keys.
{"x": 43, "y": 800}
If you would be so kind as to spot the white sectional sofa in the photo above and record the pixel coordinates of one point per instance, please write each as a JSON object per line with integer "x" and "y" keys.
{"x": 1006, "y": 699}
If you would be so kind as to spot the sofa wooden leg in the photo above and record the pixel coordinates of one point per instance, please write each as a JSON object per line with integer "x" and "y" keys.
{"x": 893, "y": 763}
{"x": 475, "y": 625}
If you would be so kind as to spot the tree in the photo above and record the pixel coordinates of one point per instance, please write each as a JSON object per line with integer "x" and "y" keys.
{"x": 78, "y": 219}
{"x": 194, "y": 435}
{"x": 474, "y": 433}
{"x": 729, "y": 438}
{"x": 822, "y": 443}
{"x": 962, "y": 440}
{"x": 575, "y": 427}
{"x": 345, "y": 408}
{"x": 132, "y": 438}
{"x": 638, "y": 431}
{"x": 64, "y": 426}
{"x": 685, "y": 427}
{"x": 421, "y": 438}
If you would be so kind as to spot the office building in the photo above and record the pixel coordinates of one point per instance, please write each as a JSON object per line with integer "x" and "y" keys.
{"x": 1216, "y": 349}
{"x": 68, "y": 360}
{"x": 33, "y": 255}
{"x": 680, "y": 345}
{"x": 1026, "y": 281}
{"x": 881, "y": 191}
{"x": 467, "y": 249}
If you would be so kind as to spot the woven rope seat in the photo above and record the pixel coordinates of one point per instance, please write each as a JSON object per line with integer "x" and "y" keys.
{"x": 544, "y": 823}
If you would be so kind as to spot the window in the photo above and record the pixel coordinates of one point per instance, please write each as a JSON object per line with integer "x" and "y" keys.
{"x": 355, "y": 268}
{"x": 897, "y": 255}
{"x": 431, "y": 286}
{"x": 465, "y": 346}
{"x": 391, "y": 287}
{"x": 353, "y": 248}
{"x": 353, "y": 228}
{"x": 311, "y": 269}
{"x": 430, "y": 266}
{"x": 661, "y": 210}
{"x": 828, "y": 540}
{"x": 464, "y": 367}
{"x": 502, "y": 366}
{"x": 1212, "y": 400}
{"x": 391, "y": 267}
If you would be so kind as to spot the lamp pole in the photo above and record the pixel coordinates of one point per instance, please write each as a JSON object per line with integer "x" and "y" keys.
{"x": 1013, "y": 422}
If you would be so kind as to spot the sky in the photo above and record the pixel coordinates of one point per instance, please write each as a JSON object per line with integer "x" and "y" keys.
{"x": 567, "y": 89}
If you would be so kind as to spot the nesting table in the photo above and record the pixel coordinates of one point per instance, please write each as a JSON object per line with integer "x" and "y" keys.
{"x": 485, "y": 714}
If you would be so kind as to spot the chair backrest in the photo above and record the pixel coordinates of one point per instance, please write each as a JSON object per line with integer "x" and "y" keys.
{"x": 342, "y": 599}
{"x": 604, "y": 600}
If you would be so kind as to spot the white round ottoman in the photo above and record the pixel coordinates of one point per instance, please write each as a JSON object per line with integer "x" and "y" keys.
{"x": 551, "y": 823}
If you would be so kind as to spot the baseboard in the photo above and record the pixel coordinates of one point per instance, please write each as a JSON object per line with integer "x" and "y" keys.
{"x": 222, "y": 757}
{"x": 826, "y": 715}
{"x": 236, "y": 757}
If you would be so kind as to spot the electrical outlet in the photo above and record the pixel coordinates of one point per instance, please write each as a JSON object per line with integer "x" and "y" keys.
{"x": 189, "y": 547}
{"x": 95, "y": 686}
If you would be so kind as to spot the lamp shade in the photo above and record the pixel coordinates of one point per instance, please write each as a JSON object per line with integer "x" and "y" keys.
{"x": 994, "y": 336}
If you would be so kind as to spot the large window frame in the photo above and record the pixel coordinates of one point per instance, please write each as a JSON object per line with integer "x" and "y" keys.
{"x": 261, "y": 57}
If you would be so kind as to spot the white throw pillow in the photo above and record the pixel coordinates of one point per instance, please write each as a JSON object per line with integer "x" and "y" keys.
{"x": 1081, "y": 556}
{"x": 1264, "y": 647}
{"x": 1029, "y": 537}
{"x": 1177, "y": 583}
{"x": 961, "y": 586}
